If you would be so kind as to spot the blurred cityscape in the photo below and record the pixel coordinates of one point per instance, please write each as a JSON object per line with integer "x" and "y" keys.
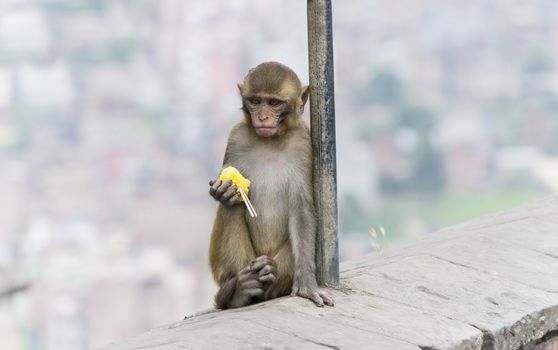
{"x": 114, "y": 115}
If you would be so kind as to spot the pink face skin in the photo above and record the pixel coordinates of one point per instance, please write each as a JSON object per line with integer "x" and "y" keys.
{"x": 265, "y": 114}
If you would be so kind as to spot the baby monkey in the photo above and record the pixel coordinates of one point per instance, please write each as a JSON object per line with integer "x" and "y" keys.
{"x": 271, "y": 255}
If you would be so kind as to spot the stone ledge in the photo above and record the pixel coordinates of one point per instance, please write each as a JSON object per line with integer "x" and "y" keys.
{"x": 491, "y": 283}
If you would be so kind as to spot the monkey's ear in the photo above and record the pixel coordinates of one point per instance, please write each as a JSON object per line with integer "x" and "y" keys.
{"x": 304, "y": 95}
{"x": 240, "y": 89}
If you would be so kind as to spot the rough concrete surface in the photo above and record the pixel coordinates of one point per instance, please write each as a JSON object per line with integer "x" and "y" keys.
{"x": 491, "y": 283}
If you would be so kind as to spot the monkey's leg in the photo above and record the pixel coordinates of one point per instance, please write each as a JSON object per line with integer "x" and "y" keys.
{"x": 230, "y": 254}
{"x": 302, "y": 232}
{"x": 284, "y": 277}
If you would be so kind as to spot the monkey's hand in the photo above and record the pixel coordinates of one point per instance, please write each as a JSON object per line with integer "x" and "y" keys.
{"x": 221, "y": 192}
{"x": 248, "y": 286}
{"x": 254, "y": 282}
{"x": 309, "y": 290}
{"x": 266, "y": 269}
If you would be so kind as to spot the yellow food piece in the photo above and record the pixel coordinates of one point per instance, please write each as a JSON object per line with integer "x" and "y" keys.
{"x": 231, "y": 173}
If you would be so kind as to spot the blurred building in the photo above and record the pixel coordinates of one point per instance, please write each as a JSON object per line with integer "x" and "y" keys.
{"x": 114, "y": 116}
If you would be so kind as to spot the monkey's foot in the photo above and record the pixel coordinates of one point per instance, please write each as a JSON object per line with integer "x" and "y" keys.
{"x": 319, "y": 298}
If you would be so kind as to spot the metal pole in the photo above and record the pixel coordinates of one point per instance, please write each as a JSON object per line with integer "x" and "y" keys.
{"x": 322, "y": 111}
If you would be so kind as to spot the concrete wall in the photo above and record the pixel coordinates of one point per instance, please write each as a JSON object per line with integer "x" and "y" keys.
{"x": 491, "y": 283}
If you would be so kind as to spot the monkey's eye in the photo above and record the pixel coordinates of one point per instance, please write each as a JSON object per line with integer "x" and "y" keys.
{"x": 254, "y": 100}
{"x": 275, "y": 102}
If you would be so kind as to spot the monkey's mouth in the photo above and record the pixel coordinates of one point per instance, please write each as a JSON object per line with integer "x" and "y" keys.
{"x": 266, "y": 130}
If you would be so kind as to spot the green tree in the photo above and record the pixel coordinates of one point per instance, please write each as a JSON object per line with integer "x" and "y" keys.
{"x": 384, "y": 88}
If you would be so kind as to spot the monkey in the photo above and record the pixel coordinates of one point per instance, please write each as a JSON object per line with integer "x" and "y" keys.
{"x": 270, "y": 255}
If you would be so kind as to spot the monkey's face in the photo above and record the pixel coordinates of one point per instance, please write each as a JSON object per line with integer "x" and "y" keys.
{"x": 272, "y": 98}
{"x": 266, "y": 113}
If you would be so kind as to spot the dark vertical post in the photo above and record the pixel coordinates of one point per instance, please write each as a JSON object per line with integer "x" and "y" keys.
{"x": 322, "y": 111}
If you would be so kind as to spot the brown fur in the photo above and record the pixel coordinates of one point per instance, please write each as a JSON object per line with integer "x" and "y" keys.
{"x": 280, "y": 170}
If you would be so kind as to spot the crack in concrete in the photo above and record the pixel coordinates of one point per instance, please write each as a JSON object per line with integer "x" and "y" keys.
{"x": 426, "y": 311}
{"x": 508, "y": 221}
{"x": 430, "y": 292}
{"x": 456, "y": 263}
{"x": 363, "y": 320}
{"x": 547, "y": 254}
{"x": 356, "y": 327}
{"x": 326, "y": 345}
{"x": 345, "y": 324}
{"x": 486, "y": 272}
{"x": 552, "y": 291}
{"x": 329, "y": 346}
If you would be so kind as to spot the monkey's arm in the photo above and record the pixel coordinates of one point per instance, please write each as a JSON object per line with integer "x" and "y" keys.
{"x": 230, "y": 253}
{"x": 302, "y": 232}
